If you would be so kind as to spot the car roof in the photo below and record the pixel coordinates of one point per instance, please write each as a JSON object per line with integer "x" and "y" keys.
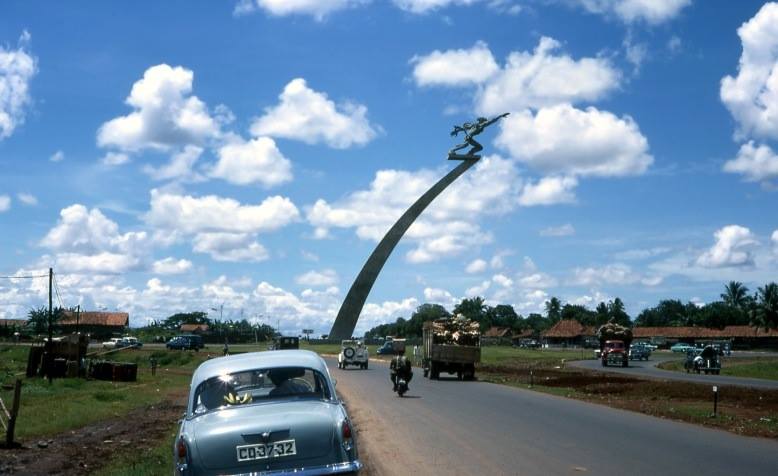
{"x": 258, "y": 360}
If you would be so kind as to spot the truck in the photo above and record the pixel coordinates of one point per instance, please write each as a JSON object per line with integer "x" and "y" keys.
{"x": 614, "y": 344}
{"x": 451, "y": 345}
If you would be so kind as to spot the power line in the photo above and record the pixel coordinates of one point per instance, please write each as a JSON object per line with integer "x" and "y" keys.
{"x": 56, "y": 289}
{"x": 25, "y": 277}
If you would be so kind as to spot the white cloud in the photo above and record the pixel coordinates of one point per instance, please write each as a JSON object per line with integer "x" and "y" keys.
{"x": 27, "y": 198}
{"x": 674, "y": 44}
{"x": 549, "y": 191}
{"x": 447, "y": 227}
{"x": 221, "y": 227}
{"x": 165, "y": 114}
{"x": 57, "y": 156}
{"x": 564, "y": 230}
{"x": 5, "y": 203}
{"x": 309, "y": 116}
{"x": 536, "y": 281}
{"x": 87, "y": 241}
{"x": 455, "y": 67}
{"x": 388, "y": 311}
{"x": 318, "y": 9}
{"x": 439, "y": 296}
{"x": 752, "y": 96}
{"x": 180, "y": 167}
{"x": 232, "y": 247}
{"x": 113, "y": 159}
{"x": 732, "y": 248}
{"x": 539, "y": 79}
{"x": 502, "y": 280}
{"x": 323, "y": 278}
{"x": 566, "y": 140}
{"x": 619, "y": 274}
{"x": 17, "y": 67}
{"x": 425, "y": 6}
{"x": 631, "y": 11}
{"x": 171, "y": 266}
{"x": 636, "y": 53}
{"x": 756, "y": 163}
{"x": 189, "y": 215}
{"x": 774, "y": 238}
{"x": 638, "y": 254}
{"x": 476, "y": 266}
{"x": 256, "y": 161}
{"x": 478, "y": 290}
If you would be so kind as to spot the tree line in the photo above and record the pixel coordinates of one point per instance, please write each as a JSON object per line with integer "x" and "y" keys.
{"x": 736, "y": 307}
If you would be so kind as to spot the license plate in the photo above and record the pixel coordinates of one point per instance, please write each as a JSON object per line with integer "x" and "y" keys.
{"x": 265, "y": 451}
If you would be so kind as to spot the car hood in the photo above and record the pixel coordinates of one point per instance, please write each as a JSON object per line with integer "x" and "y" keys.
{"x": 310, "y": 423}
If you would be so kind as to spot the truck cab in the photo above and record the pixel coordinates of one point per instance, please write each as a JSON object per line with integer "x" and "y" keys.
{"x": 614, "y": 352}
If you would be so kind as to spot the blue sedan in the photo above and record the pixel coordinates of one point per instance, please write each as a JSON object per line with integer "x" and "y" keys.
{"x": 681, "y": 347}
{"x": 265, "y": 412}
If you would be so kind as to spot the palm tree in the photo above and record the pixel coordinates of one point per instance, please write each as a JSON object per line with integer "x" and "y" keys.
{"x": 735, "y": 294}
{"x": 766, "y": 310}
{"x": 554, "y": 310}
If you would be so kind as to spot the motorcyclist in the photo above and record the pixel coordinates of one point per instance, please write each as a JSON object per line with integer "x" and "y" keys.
{"x": 400, "y": 367}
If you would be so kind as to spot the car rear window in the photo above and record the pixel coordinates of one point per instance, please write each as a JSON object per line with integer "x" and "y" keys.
{"x": 260, "y": 385}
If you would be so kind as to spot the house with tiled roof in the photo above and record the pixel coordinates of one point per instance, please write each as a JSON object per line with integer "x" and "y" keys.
{"x": 497, "y": 335}
{"x": 569, "y": 332}
{"x": 195, "y": 329}
{"x": 98, "y": 324}
{"x": 739, "y": 336}
{"x": 9, "y": 326}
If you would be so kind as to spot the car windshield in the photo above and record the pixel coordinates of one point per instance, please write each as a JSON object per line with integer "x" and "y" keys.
{"x": 259, "y": 385}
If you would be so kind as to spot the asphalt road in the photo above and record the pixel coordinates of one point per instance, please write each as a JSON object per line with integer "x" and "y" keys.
{"x": 648, "y": 369}
{"x": 452, "y": 427}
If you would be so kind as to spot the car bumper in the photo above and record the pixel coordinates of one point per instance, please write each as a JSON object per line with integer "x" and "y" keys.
{"x": 349, "y": 467}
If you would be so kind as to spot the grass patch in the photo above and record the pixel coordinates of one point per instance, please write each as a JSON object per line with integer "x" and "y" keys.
{"x": 154, "y": 460}
{"x": 65, "y": 404}
{"x": 750, "y": 367}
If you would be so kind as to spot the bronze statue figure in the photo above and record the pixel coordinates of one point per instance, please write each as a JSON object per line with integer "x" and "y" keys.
{"x": 471, "y": 129}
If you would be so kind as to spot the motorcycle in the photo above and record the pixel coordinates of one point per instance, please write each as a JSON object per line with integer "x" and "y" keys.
{"x": 402, "y": 386}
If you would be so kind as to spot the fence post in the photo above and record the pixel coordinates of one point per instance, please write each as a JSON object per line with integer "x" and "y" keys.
{"x": 9, "y": 436}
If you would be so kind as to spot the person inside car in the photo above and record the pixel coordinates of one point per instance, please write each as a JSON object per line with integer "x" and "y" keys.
{"x": 286, "y": 382}
{"x": 400, "y": 367}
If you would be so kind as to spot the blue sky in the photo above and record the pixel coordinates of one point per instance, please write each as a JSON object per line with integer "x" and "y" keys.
{"x": 177, "y": 156}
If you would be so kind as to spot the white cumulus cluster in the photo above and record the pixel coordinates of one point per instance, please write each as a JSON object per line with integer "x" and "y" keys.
{"x": 752, "y": 97}
{"x": 17, "y": 67}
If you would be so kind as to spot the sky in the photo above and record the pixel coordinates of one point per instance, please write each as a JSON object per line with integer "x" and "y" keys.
{"x": 243, "y": 158}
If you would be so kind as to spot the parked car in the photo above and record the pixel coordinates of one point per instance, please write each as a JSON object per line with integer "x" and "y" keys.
{"x": 265, "y": 412}
{"x": 681, "y": 347}
{"x": 185, "y": 342}
{"x": 352, "y": 352}
{"x": 112, "y": 344}
{"x": 386, "y": 349}
{"x": 639, "y": 352}
{"x": 284, "y": 343}
{"x": 132, "y": 342}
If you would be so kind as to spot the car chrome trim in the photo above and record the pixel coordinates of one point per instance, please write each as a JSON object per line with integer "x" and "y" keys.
{"x": 310, "y": 471}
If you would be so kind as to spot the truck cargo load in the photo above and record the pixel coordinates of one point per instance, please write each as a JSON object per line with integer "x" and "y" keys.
{"x": 451, "y": 345}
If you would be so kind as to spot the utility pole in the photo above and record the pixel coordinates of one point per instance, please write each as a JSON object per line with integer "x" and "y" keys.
{"x": 78, "y": 315}
{"x": 47, "y": 352}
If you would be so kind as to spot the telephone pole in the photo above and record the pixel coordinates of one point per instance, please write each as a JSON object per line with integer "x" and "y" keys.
{"x": 47, "y": 350}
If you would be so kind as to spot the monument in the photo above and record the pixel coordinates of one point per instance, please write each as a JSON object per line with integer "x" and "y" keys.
{"x": 349, "y": 312}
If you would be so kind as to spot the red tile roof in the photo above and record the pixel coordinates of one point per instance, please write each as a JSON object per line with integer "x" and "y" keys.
{"x": 96, "y": 318}
{"x": 194, "y": 327}
{"x": 498, "y": 332}
{"x": 569, "y": 328}
{"x": 703, "y": 332}
{"x": 13, "y": 322}
{"x": 525, "y": 333}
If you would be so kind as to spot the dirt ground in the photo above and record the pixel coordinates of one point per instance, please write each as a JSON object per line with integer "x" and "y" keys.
{"x": 82, "y": 451}
{"x": 741, "y": 410}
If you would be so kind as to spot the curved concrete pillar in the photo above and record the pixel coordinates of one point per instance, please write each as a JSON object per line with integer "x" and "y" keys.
{"x": 344, "y": 325}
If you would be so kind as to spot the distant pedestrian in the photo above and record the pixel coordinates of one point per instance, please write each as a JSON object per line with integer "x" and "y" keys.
{"x": 226, "y": 347}
{"x": 416, "y": 354}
